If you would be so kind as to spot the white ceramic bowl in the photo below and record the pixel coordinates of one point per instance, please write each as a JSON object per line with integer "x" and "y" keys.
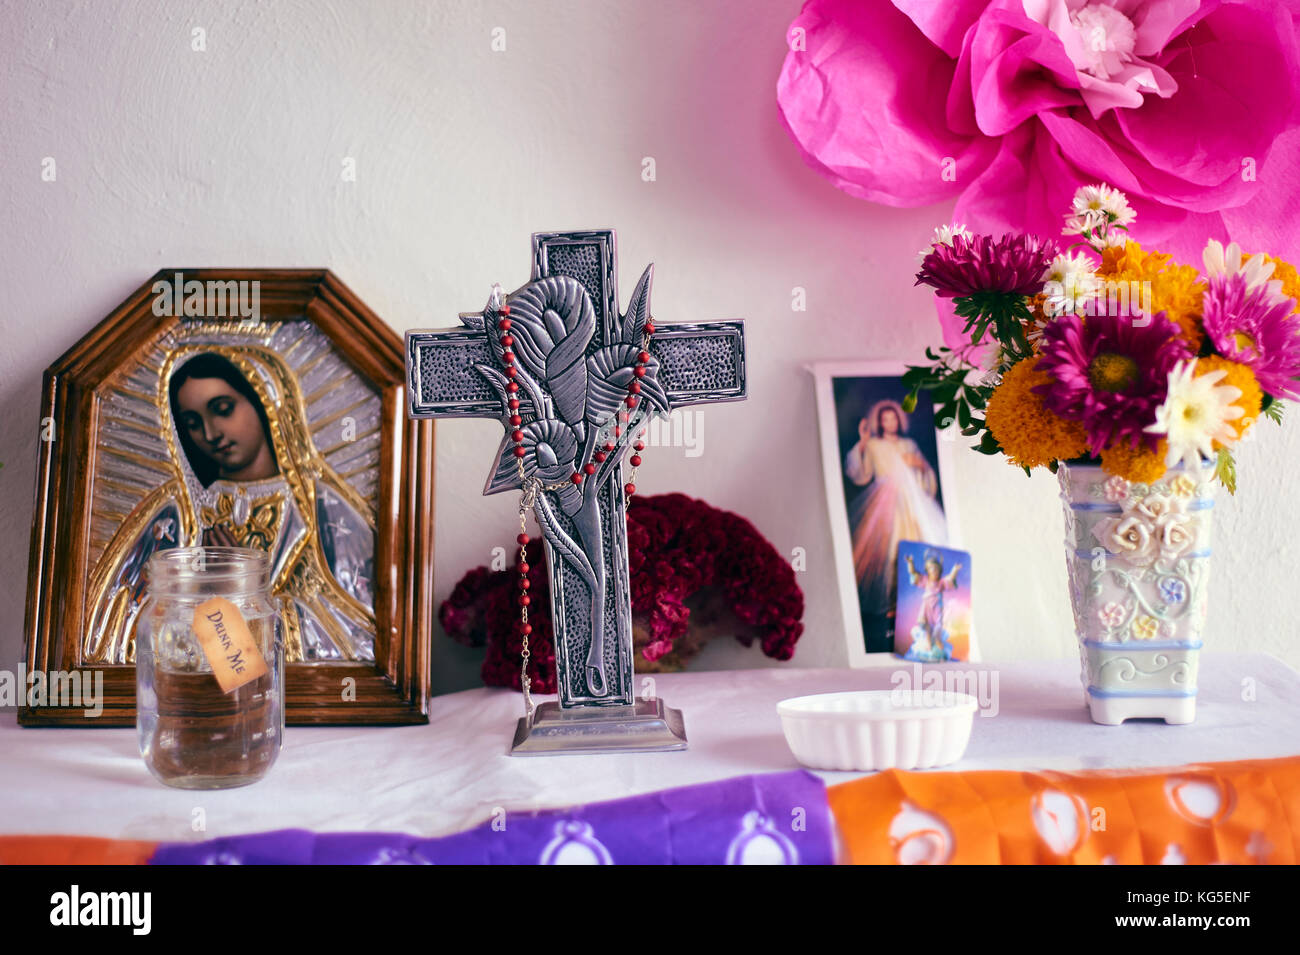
{"x": 878, "y": 729}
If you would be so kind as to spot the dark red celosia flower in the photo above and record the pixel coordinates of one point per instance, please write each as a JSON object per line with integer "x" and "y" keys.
{"x": 678, "y": 549}
{"x": 461, "y": 614}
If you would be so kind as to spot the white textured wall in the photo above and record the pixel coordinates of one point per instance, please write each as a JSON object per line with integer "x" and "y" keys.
{"x": 232, "y": 157}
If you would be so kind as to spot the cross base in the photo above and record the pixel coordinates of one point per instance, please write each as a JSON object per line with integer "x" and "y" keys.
{"x": 647, "y": 726}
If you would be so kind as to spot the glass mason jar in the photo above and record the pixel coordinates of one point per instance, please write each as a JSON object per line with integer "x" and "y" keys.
{"x": 192, "y": 734}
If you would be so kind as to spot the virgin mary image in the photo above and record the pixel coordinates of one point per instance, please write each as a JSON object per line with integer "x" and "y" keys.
{"x": 245, "y": 473}
{"x": 897, "y": 503}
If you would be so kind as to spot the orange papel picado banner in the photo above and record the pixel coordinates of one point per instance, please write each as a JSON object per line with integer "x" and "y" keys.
{"x": 1239, "y": 812}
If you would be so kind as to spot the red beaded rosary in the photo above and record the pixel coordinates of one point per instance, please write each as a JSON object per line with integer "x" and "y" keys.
{"x": 532, "y": 489}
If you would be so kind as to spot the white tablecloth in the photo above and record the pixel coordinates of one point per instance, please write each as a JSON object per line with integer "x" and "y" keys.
{"x": 447, "y": 776}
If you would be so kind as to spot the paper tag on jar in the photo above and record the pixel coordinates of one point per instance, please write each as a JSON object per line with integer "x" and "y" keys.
{"x": 228, "y": 644}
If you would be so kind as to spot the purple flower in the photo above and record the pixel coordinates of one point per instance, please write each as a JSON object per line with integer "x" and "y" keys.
{"x": 1013, "y": 264}
{"x": 1110, "y": 373}
{"x": 1254, "y": 327}
{"x": 1173, "y": 590}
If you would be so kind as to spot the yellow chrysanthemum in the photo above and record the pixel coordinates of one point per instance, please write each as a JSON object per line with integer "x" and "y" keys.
{"x": 1239, "y": 376}
{"x": 1031, "y": 435}
{"x": 1179, "y": 292}
{"x": 1131, "y": 257}
{"x": 1290, "y": 279}
{"x": 1141, "y": 465}
{"x": 1175, "y": 289}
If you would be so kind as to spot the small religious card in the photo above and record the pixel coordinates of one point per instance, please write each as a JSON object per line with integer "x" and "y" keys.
{"x": 933, "y": 620}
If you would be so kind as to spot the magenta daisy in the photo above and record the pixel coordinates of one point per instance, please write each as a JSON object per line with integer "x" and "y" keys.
{"x": 1013, "y": 264}
{"x": 1255, "y": 327}
{"x": 1110, "y": 374}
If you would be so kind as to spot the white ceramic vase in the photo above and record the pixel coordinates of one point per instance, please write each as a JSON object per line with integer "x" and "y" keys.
{"x": 1138, "y": 557}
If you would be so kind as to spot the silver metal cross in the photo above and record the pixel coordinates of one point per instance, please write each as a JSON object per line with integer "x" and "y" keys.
{"x": 574, "y": 357}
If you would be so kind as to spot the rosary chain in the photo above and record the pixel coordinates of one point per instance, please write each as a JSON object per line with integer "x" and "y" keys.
{"x": 525, "y": 501}
{"x": 630, "y": 488}
{"x": 530, "y": 489}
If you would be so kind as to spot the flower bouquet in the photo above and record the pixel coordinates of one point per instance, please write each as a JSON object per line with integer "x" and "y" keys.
{"x": 1132, "y": 377}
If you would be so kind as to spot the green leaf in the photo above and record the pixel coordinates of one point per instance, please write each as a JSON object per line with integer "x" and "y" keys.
{"x": 975, "y": 395}
{"x": 1019, "y": 345}
{"x": 988, "y": 444}
{"x": 1273, "y": 411}
{"x": 909, "y": 402}
{"x": 1225, "y": 470}
{"x": 963, "y": 414}
{"x": 946, "y": 390}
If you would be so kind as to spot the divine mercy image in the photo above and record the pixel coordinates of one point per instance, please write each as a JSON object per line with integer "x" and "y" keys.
{"x": 891, "y": 490}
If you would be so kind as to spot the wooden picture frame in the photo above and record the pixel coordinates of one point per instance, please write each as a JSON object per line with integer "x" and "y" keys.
{"x": 82, "y": 391}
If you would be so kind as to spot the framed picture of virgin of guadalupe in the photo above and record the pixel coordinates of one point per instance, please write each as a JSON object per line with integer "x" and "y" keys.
{"x": 888, "y": 480}
{"x": 261, "y": 409}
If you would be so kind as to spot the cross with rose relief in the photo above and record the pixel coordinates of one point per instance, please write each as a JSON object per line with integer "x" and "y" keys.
{"x": 570, "y": 363}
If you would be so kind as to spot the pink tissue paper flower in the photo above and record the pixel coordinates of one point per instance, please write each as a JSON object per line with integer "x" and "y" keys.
{"x": 1008, "y": 106}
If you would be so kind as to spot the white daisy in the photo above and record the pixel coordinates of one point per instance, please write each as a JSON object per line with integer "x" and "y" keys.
{"x": 1100, "y": 235}
{"x": 1101, "y": 215}
{"x": 944, "y": 235}
{"x": 1256, "y": 270}
{"x": 1069, "y": 283}
{"x": 994, "y": 362}
{"x": 1095, "y": 201}
{"x": 1195, "y": 414}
